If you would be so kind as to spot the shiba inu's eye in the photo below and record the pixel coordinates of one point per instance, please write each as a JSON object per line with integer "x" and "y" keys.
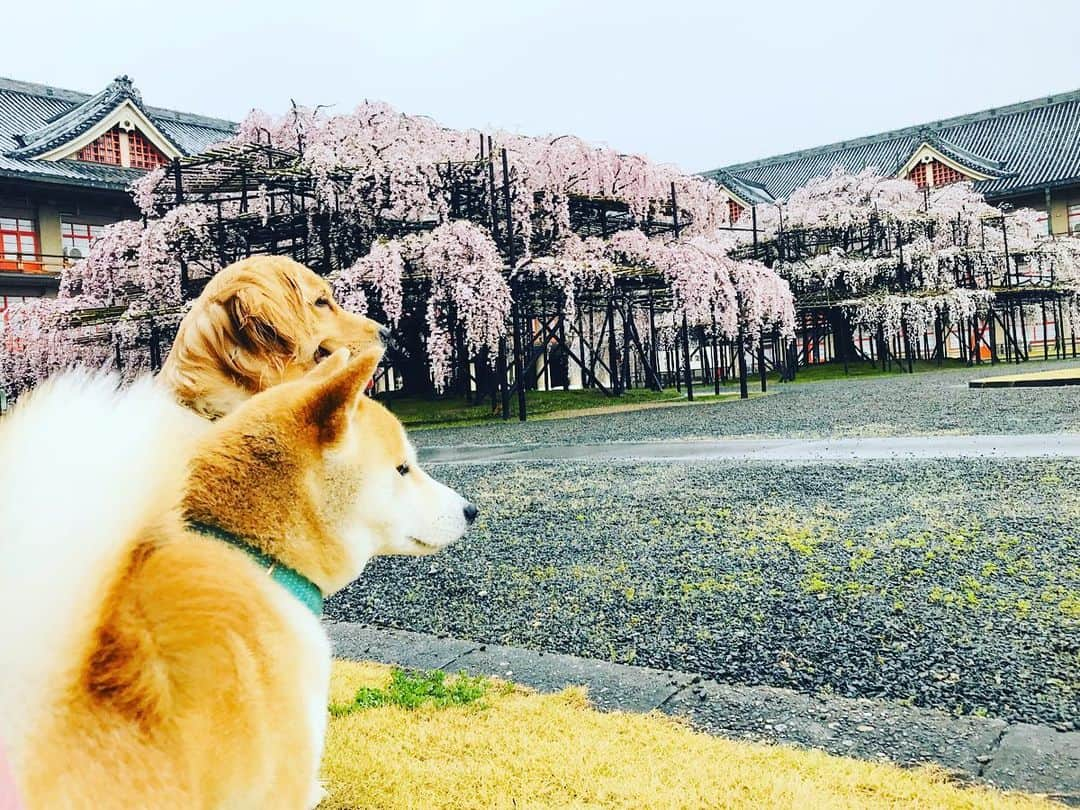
{"x": 403, "y": 469}
{"x": 322, "y": 302}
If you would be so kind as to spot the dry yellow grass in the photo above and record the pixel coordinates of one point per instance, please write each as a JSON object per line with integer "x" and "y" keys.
{"x": 525, "y": 750}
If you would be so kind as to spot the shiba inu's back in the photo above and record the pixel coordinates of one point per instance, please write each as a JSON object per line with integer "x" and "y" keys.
{"x": 122, "y": 636}
{"x": 82, "y": 467}
{"x": 156, "y": 662}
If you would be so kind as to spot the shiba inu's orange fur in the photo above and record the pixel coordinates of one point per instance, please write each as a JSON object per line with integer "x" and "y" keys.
{"x": 198, "y": 681}
{"x": 260, "y": 321}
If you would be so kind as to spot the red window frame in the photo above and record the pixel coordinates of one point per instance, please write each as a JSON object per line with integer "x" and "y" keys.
{"x": 78, "y": 235}
{"x": 917, "y": 175}
{"x": 142, "y": 152}
{"x": 735, "y": 210}
{"x": 106, "y": 149}
{"x": 945, "y": 175}
{"x": 19, "y": 248}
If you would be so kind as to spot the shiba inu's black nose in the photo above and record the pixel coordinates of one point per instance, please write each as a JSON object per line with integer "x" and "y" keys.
{"x": 470, "y": 513}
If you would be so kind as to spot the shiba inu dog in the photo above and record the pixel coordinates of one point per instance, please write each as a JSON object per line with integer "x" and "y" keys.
{"x": 159, "y": 601}
{"x": 259, "y": 322}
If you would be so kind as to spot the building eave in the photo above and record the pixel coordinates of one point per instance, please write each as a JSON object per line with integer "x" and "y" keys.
{"x": 54, "y": 180}
{"x": 29, "y": 281}
{"x": 1031, "y": 188}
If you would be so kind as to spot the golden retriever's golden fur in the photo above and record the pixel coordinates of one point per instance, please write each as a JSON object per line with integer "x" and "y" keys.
{"x": 178, "y": 674}
{"x": 259, "y": 322}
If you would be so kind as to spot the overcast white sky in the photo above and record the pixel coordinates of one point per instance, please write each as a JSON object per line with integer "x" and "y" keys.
{"x": 697, "y": 83}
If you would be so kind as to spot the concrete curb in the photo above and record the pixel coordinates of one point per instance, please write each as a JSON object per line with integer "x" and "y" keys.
{"x": 1015, "y": 756}
{"x": 1037, "y": 445}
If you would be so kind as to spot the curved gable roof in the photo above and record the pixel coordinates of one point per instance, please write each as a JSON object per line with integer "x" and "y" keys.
{"x": 36, "y": 118}
{"x": 1022, "y": 147}
{"x": 74, "y": 122}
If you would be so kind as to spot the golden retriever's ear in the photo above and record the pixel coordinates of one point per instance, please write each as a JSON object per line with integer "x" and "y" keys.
{"x": 336, "y": 391}
{"x": 261, "y": 321}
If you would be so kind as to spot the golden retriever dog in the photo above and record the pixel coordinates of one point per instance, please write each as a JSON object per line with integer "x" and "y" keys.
{"x": 159, "y": 605}
{"x": 259, "y": 322}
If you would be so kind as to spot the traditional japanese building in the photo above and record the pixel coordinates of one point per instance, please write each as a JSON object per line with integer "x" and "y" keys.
{"x": 66, "y": 161}
{"x": 1025, "y": 154}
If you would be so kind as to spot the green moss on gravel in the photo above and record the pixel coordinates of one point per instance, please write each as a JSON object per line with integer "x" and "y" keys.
{"x": 946, "y": 583}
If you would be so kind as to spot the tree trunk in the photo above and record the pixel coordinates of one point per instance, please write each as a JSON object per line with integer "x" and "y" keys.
{"x": 843, "y": 339}
{"x": 411, "y": 357}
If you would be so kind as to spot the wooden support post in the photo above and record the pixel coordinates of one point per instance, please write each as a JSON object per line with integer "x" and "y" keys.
{"x": 515, "y": 307}
{"x": 1023, "y": 331}
{"x": 992, "y": 324}
{"x": 845, "y": 331}
{"x": 715, "y": 359}
{"x": 519, "y": 371}
{"x": 613, "y": 351}
{"x": 654, "y": 352}
{"x": 740, "y": 347}
{"x": 761, "y": 361}
{"x": 686, "y": 359}
{"x": 504, "y": 383}
{"x": 562, "y": 340}
{"x": 1046, "y": 348}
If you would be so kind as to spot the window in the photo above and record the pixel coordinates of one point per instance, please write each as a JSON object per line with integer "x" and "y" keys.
{"x": 19, "y": 245}
{"x": 76, "y": 238}
{"x": 1043, "y": 221}
{"x": 1074, "y": 219}
{"x": 935, "y": 173}
{"x": 944, "y": 175}
{"x": 144, "y": 155}
{"x": 918, "y": 175}
{"x": 105, "y": 149}
{"x": 734, "y": 211}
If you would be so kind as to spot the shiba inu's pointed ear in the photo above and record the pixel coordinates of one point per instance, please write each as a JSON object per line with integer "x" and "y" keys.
{"x": 339, "y": 382}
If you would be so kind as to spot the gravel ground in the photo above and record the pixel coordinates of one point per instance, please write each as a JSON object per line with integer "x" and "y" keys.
{"x": 952, "y": 584}
{"x": 897, "y": 405}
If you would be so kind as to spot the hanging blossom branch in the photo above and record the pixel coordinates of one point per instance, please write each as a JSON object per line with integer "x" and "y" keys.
{"x": 709, "y": 287}
{"x": 380, "y": 271}
{"x": 128, "y": 266}
{"x": 916, "y": 314}
{"x": 765, "y": 300}
{"x": 936, "y": 253}
{"x": 376, "y": 162}
{"x": 467, "y": 288}
{"x": 137, "y": 266}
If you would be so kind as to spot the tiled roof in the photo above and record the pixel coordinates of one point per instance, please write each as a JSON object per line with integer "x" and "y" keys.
{"x": 35, "y": 118}
{"x": 1022, "y": 147}
{"x": 748, "y": 191}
